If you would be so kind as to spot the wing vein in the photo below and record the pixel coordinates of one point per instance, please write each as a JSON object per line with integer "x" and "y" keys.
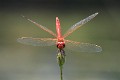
{"x": 42, "y": 27}
{"x": 79, "y": 24}
{"x": 82, "y": 47}
{"x": 37, "y": 41}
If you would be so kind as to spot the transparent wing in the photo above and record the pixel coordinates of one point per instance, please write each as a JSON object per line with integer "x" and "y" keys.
{"x": 40, "y": 26}
{"x": 80, "y": 23}
{"x": 37, "y": 41}
{"x": 82, "y": 47}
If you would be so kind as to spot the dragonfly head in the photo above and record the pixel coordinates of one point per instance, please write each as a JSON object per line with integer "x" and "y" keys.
{"x": 60, "y": 45}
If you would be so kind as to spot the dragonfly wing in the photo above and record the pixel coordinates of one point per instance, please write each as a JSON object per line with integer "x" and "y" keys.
{"x": 42, "y": 27}
{"x": 79, "y": 24}
{"x": 82, "y": 47}
{"x": 37, "y": 41}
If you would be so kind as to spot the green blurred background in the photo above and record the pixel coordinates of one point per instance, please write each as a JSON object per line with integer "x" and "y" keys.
{"x": 24, "y": 62}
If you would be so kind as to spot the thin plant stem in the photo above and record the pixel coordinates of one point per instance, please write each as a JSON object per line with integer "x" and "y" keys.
{"x": 61, "y": 61}
{"x": 61, "y": 74}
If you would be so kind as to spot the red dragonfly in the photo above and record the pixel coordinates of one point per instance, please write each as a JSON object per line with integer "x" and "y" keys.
{"x": 60, "y": 40}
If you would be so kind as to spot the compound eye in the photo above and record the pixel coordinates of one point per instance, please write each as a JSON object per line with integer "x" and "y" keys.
{"x": 63, "y": 45}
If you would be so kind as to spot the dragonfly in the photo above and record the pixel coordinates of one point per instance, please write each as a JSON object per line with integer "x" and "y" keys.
{"x": 59, "y": 39}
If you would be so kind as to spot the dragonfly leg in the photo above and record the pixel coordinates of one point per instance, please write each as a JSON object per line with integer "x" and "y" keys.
{"x": 61, "y": 51}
